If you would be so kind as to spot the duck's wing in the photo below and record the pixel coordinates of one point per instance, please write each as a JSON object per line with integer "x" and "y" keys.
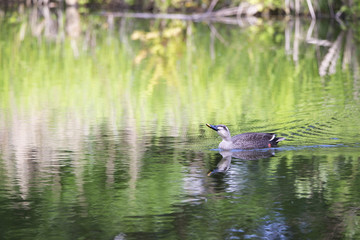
{"x": 253, "y": 140}
{"x": 252, "y": 136}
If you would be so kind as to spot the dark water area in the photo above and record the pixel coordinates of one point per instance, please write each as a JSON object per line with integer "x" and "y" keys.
{"x": 103, "y": 135}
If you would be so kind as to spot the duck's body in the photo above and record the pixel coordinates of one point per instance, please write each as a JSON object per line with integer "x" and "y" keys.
{"x": 245, "y": 140}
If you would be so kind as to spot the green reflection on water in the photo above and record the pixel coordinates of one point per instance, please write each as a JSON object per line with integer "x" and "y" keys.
{"x": 102, "y": 133}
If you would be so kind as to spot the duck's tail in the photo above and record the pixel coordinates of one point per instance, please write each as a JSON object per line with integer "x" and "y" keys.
{"x": 279, "y": 139}
{"x": 274, "y": 140}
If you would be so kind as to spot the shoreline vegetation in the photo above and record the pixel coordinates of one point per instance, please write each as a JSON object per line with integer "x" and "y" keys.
{"x": 195, "y": 10}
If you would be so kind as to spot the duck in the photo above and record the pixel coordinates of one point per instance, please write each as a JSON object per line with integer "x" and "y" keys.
{"x": 250, "y": 140}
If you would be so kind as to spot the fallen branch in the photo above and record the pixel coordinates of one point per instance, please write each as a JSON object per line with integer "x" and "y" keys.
{"x": 311, "y": 9}
{"x": 247, "y": 10}
{"x": 192, "y": 17}
{"x": 212, "y": 5}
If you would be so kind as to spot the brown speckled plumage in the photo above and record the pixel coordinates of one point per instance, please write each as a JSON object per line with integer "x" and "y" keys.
{"x": 249, "y": 140}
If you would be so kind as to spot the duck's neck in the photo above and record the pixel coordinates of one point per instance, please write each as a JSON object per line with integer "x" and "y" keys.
{"x": 226, "y": 144}
{"x": 227, "y": 138}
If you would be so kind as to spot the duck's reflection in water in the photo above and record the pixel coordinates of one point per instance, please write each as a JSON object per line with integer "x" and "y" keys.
{"x": 225, "y": 163}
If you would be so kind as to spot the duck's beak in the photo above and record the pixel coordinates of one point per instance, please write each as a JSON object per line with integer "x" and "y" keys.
{"x": 213, "y": 127}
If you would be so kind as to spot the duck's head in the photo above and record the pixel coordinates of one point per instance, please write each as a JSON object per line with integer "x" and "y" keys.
{"x": 222, "y": 130}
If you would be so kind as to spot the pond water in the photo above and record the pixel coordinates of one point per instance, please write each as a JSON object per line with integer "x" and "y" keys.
{"x": 103, "y": 135}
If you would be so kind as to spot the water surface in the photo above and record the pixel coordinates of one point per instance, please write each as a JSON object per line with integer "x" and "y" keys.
{"x": 103, "y": 136}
